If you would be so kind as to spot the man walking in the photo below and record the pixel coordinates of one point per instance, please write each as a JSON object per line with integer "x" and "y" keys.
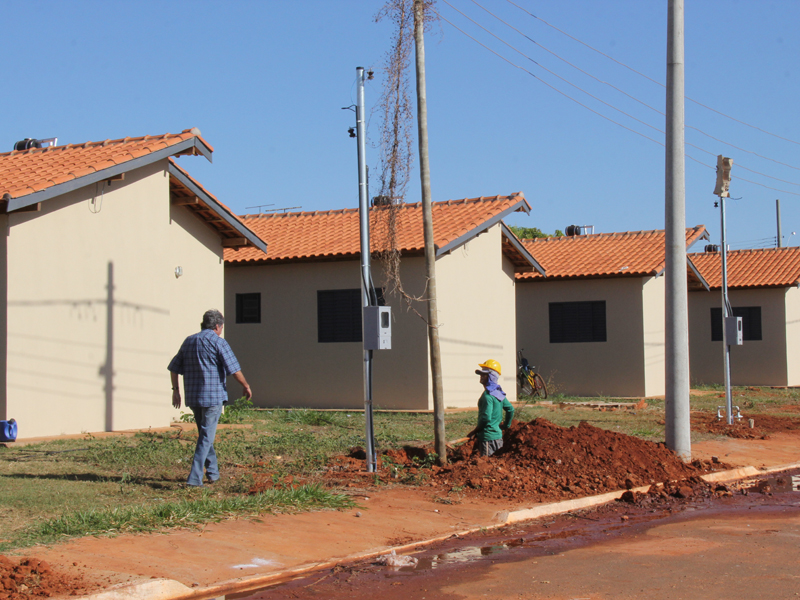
{"x": 205, "y": 360}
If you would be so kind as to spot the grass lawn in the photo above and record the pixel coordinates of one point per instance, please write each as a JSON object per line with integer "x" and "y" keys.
{"x": 64, "y": 488}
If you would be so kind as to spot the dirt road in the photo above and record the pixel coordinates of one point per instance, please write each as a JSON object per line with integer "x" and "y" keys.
{"x": 737, "y": 547}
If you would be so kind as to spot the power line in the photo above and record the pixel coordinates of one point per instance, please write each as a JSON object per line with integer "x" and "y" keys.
{"x": 780, "y": 137}
{"x": 498, "y": 38}
{"x": 632, "y": 97}
{"x": 552, "y": 87}
{"x": 757, "y": 240}
{"x": 600, "y": 100}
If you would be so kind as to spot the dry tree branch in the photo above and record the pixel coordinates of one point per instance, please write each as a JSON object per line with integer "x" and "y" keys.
{"x": 397, "y": 153}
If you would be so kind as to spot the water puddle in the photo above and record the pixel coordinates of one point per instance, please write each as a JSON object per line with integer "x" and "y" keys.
{"x": 461, "y": 555}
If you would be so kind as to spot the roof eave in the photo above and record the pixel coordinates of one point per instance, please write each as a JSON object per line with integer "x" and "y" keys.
{"x": 697, "y": 274}
{"x": 594, "y": 276}
{"x": 514, "y": 241}
{"x": 703, "y": 236}
{"x": 193, "y": 145}
{"x": 521, "y": 205}
{"x": 247, "y": 233}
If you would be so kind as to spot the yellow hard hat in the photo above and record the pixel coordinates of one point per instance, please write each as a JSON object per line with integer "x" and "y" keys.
{"x": 491, "y": 364}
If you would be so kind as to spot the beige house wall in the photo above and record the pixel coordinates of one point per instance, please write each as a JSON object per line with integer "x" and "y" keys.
{"x": 287, "y": 366}
{"x": 653, "y": 320}
{"x": 477, "y": 309}
{"x": 792, "y": 300}
{"x": 615, "y": 367}
{"x": 95, "y": 311}
{"x": 761, "y": 362}
{"x": 3, "y": 316}
{"x": 197, "y": 249}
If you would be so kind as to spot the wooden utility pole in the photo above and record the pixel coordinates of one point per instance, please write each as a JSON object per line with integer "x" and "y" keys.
{"x": 440, "y": 444}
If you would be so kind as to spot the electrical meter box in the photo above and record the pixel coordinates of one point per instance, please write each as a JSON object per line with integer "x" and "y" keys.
{"x": 377, "y": 328}
{"x": 733, "y": 331}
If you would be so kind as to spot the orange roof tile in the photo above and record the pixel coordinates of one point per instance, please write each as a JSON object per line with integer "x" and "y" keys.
{"x": 630, "y": 253}
{"x": 766, "y": 267}
{"x": 334, "y": 234}
{"x": 29, "y": 171}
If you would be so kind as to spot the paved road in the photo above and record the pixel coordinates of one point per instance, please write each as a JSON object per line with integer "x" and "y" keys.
{"x": 728, "y": 548}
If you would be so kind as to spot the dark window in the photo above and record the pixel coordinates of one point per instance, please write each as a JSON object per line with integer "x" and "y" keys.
{"x": 577, "y": 322}
{"x": 248, "y": 308}
{"x": 339, "y": 315}
{"x": 751, "y": 322}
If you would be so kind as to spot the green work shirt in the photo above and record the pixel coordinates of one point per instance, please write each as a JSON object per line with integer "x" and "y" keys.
{"x": 490, "y": 415}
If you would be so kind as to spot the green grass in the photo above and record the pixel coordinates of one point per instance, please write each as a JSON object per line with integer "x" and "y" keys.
{"x": 64, "y": 488}
{"x": 176, "y": 513}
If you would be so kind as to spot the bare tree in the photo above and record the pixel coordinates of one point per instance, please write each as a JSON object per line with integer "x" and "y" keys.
{"x": 397, "y": 153}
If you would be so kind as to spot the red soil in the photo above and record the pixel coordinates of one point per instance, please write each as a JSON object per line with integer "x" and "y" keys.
{"x": 21, "y": 579}
{"x": 541, "y": 461}
{"x": 764, "y": 425}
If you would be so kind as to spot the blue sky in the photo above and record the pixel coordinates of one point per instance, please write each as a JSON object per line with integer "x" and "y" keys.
{"x": 266, "y": 82}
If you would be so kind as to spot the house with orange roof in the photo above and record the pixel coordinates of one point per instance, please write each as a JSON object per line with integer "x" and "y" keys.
{"x": 111, "y": 255}
{"x": 295, "y": 313}
{"x": 764, "y": 289}
{"x": 595, "y": 325}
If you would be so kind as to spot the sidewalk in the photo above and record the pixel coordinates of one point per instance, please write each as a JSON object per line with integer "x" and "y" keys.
{"x": 245, "y": 554}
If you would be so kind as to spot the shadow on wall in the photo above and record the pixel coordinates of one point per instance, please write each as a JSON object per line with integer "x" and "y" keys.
{"x": 106, "y": 369}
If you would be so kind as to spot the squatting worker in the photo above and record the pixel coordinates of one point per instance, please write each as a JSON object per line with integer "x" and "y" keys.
{"x": 491, "y": 405}
{"x": 205, "y": 360}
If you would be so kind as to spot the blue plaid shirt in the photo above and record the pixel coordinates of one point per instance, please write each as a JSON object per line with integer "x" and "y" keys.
{"x": 204, "y": 360}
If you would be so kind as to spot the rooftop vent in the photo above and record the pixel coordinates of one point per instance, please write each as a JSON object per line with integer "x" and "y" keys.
{"x": 573, "y": 230}
{"x": 29, "y": 143}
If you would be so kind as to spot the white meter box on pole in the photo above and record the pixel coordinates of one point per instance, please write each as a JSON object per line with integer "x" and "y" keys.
{"x": 733, "y": 331}
{"x": 377, "y": 328}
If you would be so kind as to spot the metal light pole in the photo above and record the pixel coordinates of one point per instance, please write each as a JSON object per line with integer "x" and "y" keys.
{"x": 367, "y": 298}
{"x": 726, "y": 312}
{"x": 678, "y": 427}
{"x": 723, "y": 182}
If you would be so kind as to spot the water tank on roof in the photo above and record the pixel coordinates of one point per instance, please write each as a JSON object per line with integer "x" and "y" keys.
{"x": 712, "y": 248}
{"x": 572, "y": 230}
{"x": 27, "y": 144}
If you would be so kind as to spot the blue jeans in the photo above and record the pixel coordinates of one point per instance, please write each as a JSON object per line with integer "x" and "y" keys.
{"x": 206, "y": 419}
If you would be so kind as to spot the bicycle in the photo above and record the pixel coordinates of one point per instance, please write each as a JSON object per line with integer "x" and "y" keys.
{"x": 530, "y": 382}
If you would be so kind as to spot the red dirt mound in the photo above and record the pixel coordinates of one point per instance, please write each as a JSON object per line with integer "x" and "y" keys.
{"x": 544, "y": 461}
{"x": 21, "y": 579}
{"x": 661, "y": 496}
{"x": 539, "y": 461}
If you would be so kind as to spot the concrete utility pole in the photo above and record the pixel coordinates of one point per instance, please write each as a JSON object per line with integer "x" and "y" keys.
{"x": 778, "y": 211}
{"x": 440, "y": 444}
{"x": 678, "y": 428}
{"x": 367, "y": 298}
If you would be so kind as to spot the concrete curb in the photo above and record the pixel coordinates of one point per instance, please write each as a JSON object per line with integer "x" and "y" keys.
{"x": 155, "y": 589}
{"x": 169, "y": 589}
{"x": 780, "y": 468}
{"x": 732, "y": 475}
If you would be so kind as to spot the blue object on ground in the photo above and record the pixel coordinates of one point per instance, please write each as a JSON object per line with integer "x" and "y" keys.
{"x": 8, "y": 430}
